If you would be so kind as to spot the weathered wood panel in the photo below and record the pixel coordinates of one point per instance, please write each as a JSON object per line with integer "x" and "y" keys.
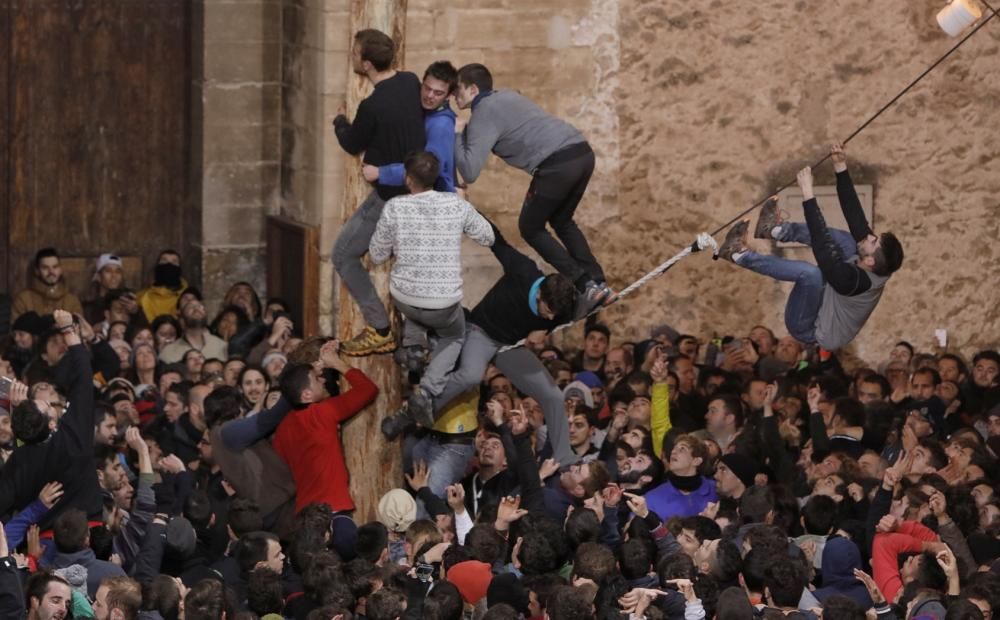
{"x": 99, "y": 128}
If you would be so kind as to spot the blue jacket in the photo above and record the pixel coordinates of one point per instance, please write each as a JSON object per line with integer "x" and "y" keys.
{"x": 666, "y": 501}
{"x": 439, "y": 126}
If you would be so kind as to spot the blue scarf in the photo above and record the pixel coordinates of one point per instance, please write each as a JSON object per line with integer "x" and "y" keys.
{"x": 533, "y": 296}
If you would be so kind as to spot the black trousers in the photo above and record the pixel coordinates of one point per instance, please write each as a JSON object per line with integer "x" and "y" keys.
{"x": 555, "y": 191}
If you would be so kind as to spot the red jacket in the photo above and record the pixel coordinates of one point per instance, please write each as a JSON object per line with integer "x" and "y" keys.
{"x": 309, "y": 441}
{"x": 908, "y": 538}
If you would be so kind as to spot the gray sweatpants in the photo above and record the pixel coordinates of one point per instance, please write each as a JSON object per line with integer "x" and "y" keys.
{"x": 352, "y": 243}
{"x": 449, "y": 325}
{"x": 527, "y": 374}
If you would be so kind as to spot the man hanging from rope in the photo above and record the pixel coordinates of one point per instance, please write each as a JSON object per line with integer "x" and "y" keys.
{"x": 832, "y": 300}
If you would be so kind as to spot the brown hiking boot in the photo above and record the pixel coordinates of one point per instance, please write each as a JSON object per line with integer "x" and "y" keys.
{"x": 736, "y": 240}
{"x": 770, "y": 216}
{"x": 368, "y": 342}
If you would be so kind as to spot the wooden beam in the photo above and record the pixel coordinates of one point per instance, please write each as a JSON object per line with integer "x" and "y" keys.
{"x": 375, "y": 465}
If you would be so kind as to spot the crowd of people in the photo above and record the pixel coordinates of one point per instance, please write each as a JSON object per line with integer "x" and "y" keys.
{"x": 160, "y": 465}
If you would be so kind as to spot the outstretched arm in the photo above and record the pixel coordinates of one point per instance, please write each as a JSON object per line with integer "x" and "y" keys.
{"x": 77, "y": 425}
{"x": 850, "y": 204}
{"x": 511, "y": 260}
{"x": 845, "y": 278}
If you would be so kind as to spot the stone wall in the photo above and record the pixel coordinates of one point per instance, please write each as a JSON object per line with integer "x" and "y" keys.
{"x": 695, "y": 110}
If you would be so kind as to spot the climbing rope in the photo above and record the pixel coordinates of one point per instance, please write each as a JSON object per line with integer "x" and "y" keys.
{"x": 706, "y": 240}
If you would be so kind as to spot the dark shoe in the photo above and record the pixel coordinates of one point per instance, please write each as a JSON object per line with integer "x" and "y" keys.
{"x": 421, "y": 408}
{"x": 397, "y": 424}
{"x": 770, "y": 216}
{"x": 598, "y": 294}
{"x": 735, "y": 240}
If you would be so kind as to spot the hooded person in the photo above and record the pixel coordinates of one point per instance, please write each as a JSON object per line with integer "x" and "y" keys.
{"x": 168, "y": 285}
{"x": 24, "y": 333}
{"x": 840, "y": 558}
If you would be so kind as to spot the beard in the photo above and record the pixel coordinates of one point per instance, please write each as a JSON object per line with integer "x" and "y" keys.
{"x": 195, "y": 323}
{"x": 630, "y": 477}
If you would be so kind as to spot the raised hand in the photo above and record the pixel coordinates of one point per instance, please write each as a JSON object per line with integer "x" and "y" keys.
{"x": 34, "y": 541}
{"x": 839, "y": 157}
{"x": 612, "y": 495}
{"x": 548, "y": 468}
{"x": 456, "y": 498}
{"x": 63, "y": 319}
{"x": 637, "y": 504}
{"x": 494, "y": 411}
{"x": 871, "y": 586}
{"x": 171, "y": 464}
{"x": 420, "y": 476}
{"x": 805, "y": 179}
{"x": 328, "y": 354}
{"x": 50, "y": 494}
{"x": 134, "y": 440}
{"x": 888, "y": 523}
{"x": 518, "y": 421}
{"x": 659, "y": 372}
{"x": 18, "y": 393}
{"x": 510, "y": 510}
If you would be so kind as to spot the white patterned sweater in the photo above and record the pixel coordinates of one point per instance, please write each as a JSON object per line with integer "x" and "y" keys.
{"x": 424, "y": 231}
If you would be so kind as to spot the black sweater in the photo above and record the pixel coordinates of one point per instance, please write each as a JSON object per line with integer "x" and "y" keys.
{"x": 389, "y": 125}
{"x": 504, "y": 313}
{"x": 67, "y": 455}
{"x": 846, "y": 278}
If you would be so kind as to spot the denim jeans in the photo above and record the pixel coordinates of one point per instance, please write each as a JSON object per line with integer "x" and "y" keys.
{"x": 446, "y": 464}
{"x": 351, "y": 245}
{"x": 806, "y": 297}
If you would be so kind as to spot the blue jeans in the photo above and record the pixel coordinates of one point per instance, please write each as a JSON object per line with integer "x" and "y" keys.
{"x": 446, "y": 464}
{"x": 807, "y": 295}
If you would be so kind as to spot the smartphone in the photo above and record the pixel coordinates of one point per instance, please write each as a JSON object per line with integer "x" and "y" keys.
{"x": 5, "y": 385}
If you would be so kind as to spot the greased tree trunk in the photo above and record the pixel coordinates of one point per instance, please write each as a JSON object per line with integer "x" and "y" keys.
{"x": 374, "y": 464}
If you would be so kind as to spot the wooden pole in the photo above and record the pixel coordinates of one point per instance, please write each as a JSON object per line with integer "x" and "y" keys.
{"x": 374, "y": 465}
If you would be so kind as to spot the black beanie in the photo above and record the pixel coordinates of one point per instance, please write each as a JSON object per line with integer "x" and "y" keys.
{"x": 745, "y": 468}
{"x": 506, "y": 588}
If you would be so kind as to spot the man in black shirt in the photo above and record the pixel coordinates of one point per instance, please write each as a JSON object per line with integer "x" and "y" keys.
{"x": 388, "y": 126}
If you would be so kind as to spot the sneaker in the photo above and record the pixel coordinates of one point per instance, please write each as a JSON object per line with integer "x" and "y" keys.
{"x": 770, "y": 216}
{"x": 368, "y": 342}
{"x": 397, "y": 424}
{"x": 421, "y": 408}
{"x": 598, "y": 294}
{"x": 735, "y": 240}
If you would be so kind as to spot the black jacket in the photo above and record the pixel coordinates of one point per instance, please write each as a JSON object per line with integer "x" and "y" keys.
{"x": 389, "y": 125}
{"x": 504, "y": 313}
{"x": 67, "y": 455}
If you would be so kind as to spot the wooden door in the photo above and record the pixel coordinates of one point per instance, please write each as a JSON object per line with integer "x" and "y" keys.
{"x": 95, "y": 96}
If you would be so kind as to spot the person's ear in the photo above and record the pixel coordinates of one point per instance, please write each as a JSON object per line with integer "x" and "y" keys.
{"x": 307, "y": 395}
{"x": 697, "y": 461}
{"x": 644, "y": 480}
{"x": 868, "y": 261}
{"x": 211, "y": 521}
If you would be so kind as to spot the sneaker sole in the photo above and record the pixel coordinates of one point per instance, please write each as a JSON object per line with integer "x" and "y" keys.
{"x": 385, "y": 348}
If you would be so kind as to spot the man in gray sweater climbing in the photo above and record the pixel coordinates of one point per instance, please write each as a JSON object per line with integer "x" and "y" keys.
{"x": 553, "y": 152}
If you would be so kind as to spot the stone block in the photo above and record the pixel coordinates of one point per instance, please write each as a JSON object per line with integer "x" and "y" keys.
{"x": 421, "y": 31}
{"x": 239, "y": 105}
{"x": 247, "y": 21}
{"x": 240, "y": 143}
{"x": 337, "y": 35}
{"x": 239, "y": 61}
{"x": 254, "y": 184}
{"x": 499, "y": 29}
{"x": 232, "y": 226}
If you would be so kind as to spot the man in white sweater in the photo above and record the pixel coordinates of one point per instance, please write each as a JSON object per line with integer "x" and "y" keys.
{"x": 424, "y": 229}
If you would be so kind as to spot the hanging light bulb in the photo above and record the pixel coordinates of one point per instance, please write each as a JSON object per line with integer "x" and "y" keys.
{"x": 958, "y": 15}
